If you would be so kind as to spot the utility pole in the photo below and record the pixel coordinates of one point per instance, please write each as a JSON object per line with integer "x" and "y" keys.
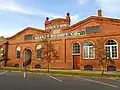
{"x": 24, "y": 65}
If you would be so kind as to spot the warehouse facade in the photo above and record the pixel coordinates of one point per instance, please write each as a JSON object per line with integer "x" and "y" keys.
{"x": 74, "y": 43}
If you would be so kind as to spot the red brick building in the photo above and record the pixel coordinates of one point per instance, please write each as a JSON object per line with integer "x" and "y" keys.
{"x": 74, "y": 43}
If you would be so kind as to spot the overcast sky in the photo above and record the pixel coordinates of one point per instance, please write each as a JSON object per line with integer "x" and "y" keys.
{"x": 15, "y": 15}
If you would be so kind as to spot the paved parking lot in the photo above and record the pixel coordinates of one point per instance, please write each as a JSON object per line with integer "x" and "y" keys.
{"x": 15, "y": 81}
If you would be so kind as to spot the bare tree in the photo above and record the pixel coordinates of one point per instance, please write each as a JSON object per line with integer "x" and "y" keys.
{"x": 3, "y": 57}
{"x": 49, "y": 53}
{"x": 101, "y": 54}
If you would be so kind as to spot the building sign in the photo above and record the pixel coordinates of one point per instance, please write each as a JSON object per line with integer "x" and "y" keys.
{"x": 57, "y": 26}
{"x": 61, "y": 35}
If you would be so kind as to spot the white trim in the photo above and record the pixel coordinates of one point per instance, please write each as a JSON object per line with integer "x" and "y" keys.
{"x": 111, "y": 50}
{"x": 38, "y": 59}
{"x": 111, "y": 39}
{"x": 75, "y": 54}
{"x": 36, "y": 51}
{"x": 88, "y": 47}
{"x": 79, "y": 46}
{"x": 18, "y": 48}
{"x": 117, "y": 51}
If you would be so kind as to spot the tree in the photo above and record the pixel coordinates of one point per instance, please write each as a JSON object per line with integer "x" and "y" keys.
{"x": 101, "y": 54}
{"x": 3, "y": 57}
{"x": 48, "y": 51}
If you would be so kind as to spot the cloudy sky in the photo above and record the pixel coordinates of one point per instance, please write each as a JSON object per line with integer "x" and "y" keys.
{"x": 16, "y": 15}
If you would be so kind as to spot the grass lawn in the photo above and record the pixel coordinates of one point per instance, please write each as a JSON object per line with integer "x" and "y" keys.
{"x": 66, "y": 72}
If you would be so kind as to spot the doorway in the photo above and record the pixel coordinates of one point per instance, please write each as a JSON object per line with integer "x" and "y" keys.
{"x": 76, "y": 61}
{"x": 27, "y": 56}
{"x": 76, "y": 55}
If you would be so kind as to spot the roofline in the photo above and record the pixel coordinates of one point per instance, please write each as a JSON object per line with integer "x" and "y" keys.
{"x": 58, "y": 19}
{"x": 93, "y": 17}
{"x": 100, "y": 18}
{"x": 35, "y": 29}
{"x": 50, "y": 21}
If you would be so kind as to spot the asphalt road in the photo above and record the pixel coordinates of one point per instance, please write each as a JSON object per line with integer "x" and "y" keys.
{"x": 15, "y": 81}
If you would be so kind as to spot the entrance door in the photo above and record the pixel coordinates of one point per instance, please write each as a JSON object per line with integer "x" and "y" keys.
{"x": 76, "y": 61}
{"x": 27, "y": 56}
{"x": 76, "y": 55}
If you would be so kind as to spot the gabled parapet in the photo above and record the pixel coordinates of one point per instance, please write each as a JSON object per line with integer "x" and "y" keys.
{"x": 56, "y": 24}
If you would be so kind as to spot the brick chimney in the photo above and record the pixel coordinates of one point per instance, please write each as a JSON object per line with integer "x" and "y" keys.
{"x": 100, "y": 13}
{"x": 46, "y": 21}
{"x": 68, "y": 18}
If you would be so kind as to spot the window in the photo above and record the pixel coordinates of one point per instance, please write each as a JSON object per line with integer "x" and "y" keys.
{"x": 28, "y": 37}
{"x": 89, "y": 52}
{"x": 88, "y": 67}
{"x": 37, "y": 66}
{"x": 111, "y": 68}
{"x": 93, "y": 29}
{"x": 16, "y": 65}
{"x": 18, "y": 52}
{"x": 76, "y": 49}
{"x": 39, "y": 51}
{"x": 111, "y": 48}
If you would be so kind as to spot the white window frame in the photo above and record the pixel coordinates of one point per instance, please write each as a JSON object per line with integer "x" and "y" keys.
{"x": 17, "y": 51}
{"x": 111, "y": 49}
{"x": 79, "y": 47}
{"x": 88, "y": 47}
{"x": 36, "y": 52}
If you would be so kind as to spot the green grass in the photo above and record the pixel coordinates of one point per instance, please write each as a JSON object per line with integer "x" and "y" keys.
{"x": 66, "y": 72}
{"x": 11, "y": 69}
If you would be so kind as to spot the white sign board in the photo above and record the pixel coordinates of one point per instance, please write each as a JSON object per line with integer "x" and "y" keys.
{"x": 60, "y": 35}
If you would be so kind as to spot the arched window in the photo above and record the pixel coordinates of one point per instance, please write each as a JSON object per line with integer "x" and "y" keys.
{"x": 18, "y": 52}
{"x": 76, "y": 49}
{"x": 89, "y": 52}
{"x": 88, "y": 67}
{"x": 38, "y": 51}
{"x": 111, "y": 68}
{"x": 16, "y": 65}
{"x": 111, "y": 48}
{"x": 37, "y": 66}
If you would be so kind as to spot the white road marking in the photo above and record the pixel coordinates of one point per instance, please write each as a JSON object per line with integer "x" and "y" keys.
{"x": 97, "y": 82}
{"x": 3, "y": 72}
{"x": 55, "y": 78}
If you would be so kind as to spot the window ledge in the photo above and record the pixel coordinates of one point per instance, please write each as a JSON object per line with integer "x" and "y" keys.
{"x": 115, "y": 58}
{"x": 18, "y": 59}
{"x": 38, "y": 59}
{"x": 88, "y": 58}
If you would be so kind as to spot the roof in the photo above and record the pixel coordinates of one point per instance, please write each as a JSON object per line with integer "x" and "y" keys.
{"x": 114, "y": 20}
{"x": 28, "y": 28}
{"x": 57, "y": 20}
{"x": 99, "y": 18}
